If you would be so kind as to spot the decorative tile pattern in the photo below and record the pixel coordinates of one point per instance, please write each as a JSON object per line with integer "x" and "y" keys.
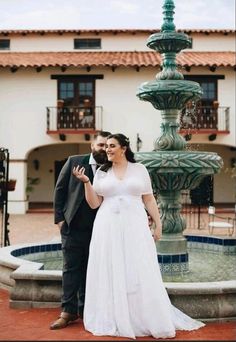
{"x": 219, "y": 253}
{"x": 213, "y": 244}
{"x": 206, "y": 266}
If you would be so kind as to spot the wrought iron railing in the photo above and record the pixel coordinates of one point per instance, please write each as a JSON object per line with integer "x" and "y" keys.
{"x": 193, "y": 213}
{"x": 74, "y": 118}
{"x": 4, "y": 179}
{"x": 205, "y": 118}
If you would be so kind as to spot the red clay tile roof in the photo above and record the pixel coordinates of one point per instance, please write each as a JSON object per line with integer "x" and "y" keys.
{"x": 112, "y": 59}
{"x": 113, "y": 31}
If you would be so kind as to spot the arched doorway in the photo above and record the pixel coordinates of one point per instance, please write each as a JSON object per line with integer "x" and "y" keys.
{"x": 43, "y": 167}
{"x": 219, "y": 189}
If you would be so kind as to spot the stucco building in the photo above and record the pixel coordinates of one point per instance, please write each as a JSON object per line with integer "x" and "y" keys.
{"x": 58, "y": 87}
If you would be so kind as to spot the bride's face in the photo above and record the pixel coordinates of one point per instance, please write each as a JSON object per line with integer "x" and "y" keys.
{"x": 115, "y": 152}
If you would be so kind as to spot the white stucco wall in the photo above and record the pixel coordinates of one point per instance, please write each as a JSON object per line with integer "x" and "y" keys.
{"x": 213, "y": 42}
{"x": 24, "y": 97}
{"x": 111, "y": 42}
{"x": 25, "y": 94}
{"x": 122, "y": 109}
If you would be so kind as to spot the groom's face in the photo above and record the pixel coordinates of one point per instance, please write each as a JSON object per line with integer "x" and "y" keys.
{"x": 98, "y": 147}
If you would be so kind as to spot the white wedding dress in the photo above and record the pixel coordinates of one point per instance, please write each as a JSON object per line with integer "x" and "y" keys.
{"x": 125, "y": 294}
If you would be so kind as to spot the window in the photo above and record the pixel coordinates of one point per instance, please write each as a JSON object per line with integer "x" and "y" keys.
{"x": 85, "y": 93}
{"x": 66, "y": 92}
{"x": 87, "y": 43}
{"x": 4, "y": 44}
{"x": 77, "y": 92}
{"x": 208, "y": 84}
{"x": 77, "y": 101}
{"x": 203, "y": 114}
{"x": 209, "y": 90}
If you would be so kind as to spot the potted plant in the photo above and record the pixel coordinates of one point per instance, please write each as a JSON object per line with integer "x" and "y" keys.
{"x": 7, "y": 186}
{"x": 11, "y": 185}
{"x": 215, "y": 104}
{"x": 60, "y": 103}
{"x": 31, "y": 182}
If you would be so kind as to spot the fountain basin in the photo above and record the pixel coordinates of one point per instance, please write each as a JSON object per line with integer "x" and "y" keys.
{"x": 169, "y": 42}
{"x": 32, "y": 286}
{"x": 169, "y": 94}
{"x": 179, "y": 170}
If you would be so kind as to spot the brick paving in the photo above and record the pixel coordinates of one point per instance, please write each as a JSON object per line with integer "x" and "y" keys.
{"x": 33, "y": 324}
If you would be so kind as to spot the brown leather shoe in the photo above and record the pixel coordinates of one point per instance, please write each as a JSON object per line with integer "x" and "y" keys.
{"x": 64, "y": 319}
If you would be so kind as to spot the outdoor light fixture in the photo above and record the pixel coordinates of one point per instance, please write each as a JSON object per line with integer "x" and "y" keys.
{"x": 233, "y": 162}
{"x": 139, "y": 143}
{"x": 188, "y": 137}
{"x": 212, "y": 137}
{"x": 87, "y": 137}
{"x": 36, "y": 164}
{"x": 62, "y": 137}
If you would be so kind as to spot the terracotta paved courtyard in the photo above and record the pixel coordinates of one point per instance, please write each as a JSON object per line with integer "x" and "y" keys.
{"x": 33, "y": 324}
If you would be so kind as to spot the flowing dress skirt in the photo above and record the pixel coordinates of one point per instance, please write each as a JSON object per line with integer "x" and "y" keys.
{"x": 125, "y": 294}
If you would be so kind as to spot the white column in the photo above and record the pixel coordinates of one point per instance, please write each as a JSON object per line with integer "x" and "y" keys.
{"x": 17, "y": 200}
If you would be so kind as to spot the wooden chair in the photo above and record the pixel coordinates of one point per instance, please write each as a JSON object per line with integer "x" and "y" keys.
{"x": 219, "y": 222}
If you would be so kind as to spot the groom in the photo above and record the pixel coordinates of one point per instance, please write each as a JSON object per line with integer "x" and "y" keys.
{"x": 75, "y": 219}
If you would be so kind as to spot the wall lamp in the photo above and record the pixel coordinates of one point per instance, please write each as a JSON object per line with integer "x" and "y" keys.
{"x": 87, "y": 137}
{"x": 188, "y": 137}
{"x": 212, "y": 137}
{"x": 139, "y": 143}
{"x": 36, "y": 164}
{"x": 62, "y": 137}
{"x": 233, "y": 162}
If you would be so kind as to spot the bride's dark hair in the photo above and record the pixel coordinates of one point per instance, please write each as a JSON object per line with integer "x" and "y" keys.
{"x": 123, "y": 142}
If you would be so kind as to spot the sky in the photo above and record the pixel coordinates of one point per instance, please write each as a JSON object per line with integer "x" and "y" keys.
{"x": 114, "y": 14}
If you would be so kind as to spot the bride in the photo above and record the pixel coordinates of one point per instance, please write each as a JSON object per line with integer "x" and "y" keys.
{"x": 125, "y": 294}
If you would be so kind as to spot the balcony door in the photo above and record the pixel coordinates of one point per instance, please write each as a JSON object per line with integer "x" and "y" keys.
{"x": 206, "y": 111}
{"x": 76, "y": 99}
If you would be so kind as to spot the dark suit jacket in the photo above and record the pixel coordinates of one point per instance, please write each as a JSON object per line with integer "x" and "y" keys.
{"x": 69, "y": 191}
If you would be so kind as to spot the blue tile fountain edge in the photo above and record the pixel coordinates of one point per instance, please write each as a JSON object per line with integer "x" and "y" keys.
{"x": 212, "y": 240}
{"x": 213, "y": 244}
{"x": 36, "y": 249}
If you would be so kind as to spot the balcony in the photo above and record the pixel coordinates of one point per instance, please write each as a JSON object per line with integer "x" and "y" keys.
{"x": 74, "y": 119}
{"x": 205, "y": 119}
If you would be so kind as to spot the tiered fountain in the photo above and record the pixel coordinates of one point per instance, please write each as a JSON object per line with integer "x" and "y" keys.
{"x": 171, "y": 167}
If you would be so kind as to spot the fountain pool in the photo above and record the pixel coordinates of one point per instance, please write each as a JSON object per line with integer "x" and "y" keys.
{"x": 33, "y": 275}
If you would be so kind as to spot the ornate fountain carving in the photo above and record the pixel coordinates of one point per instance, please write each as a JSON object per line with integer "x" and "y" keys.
{"x": 171, "y": 167}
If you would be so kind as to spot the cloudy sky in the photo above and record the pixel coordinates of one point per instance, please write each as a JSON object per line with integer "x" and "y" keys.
{"x": 108, "y": 14}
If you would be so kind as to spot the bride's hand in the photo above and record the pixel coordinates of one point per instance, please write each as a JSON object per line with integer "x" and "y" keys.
{"x": 156, "y": 234}
{"x": 79, "y": 173}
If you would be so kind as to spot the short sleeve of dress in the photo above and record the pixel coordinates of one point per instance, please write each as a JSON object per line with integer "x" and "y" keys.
{"x": 146, "y": 181}
{"x": 97, "y": 182}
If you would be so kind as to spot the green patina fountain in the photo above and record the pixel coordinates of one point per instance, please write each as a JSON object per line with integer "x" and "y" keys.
{"x": 172, "y": 168}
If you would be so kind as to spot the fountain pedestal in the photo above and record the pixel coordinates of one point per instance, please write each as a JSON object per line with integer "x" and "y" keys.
{"x": 172, "y": 248}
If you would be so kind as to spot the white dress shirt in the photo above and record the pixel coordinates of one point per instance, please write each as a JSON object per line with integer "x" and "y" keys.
{"x": 93, "y": 163}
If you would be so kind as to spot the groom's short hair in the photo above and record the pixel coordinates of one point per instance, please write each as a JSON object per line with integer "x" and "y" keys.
{"x": 103, "y": 134}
